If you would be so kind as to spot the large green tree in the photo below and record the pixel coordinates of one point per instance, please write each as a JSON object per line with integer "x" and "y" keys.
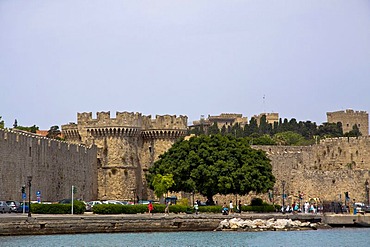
{"x": 215, "y": 164}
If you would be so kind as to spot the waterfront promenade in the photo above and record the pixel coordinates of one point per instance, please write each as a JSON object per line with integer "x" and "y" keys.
{"x": 38, "y": 224}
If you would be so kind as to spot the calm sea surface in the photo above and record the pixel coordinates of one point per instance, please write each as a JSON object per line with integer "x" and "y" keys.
{"x": 333, "y": 237}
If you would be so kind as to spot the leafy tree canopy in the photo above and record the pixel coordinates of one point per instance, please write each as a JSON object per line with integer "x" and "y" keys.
{"x": 161, "y": 184}
{"x": 54, "y": 132}
{"x": 289, "y": 138}
{"x": 355, "y": 132}
{"x": 215, "y": 164}
{"x": 31, "y": 129}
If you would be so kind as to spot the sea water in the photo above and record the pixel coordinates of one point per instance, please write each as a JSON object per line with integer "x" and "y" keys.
{"x": 354, "y": 237}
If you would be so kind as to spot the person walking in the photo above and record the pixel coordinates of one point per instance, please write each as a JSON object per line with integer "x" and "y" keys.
{"x": 231, "y": 207}
{"x": 150, "y": 208}
{"x": 196, "y": 207}
{"x": 167, "y": 209}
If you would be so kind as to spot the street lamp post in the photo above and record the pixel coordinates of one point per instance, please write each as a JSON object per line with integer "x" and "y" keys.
{"x": 367, "y": 192}
{"x": 134, "y": 191}
{"x": 283, "y": 184}
{"x": 29, "y": 179}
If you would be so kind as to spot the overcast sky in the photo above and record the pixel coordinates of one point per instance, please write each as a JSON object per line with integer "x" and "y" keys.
{"x": 299, "y": 58}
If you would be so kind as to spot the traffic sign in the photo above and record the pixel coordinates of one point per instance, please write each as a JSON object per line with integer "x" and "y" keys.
{"x": 24, "y": 196}
{"x": 38, "y": 193}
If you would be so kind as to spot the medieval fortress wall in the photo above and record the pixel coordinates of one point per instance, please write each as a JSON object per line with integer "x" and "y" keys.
{"x": 325, "y": 170}
{"x": 127, "y": 146}
{"x": 107, "y": 158}
{"x": 54, "y": 166}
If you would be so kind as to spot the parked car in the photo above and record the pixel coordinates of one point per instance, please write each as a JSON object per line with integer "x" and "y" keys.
{"x": 90, "y": 205}
{"x": 4, "y": 208}
{"x": 13, "y": 205}
{"x": 65, "y": 201}
{"x": 20, "y": 208}
{"x": 112, "y": 202}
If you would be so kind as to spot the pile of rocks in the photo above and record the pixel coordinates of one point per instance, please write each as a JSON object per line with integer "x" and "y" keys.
{"x": 265, "y": 225}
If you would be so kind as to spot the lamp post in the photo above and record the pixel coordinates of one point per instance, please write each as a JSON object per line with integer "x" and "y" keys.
{"x": 283, "y": 184}
{"x": 367, "y": 192}
{"x": 29, "y": 179}
{"x": 134, "y": 191}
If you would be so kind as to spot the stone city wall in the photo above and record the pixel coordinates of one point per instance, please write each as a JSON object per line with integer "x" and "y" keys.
{"x": 54, "y": 166}
{"x": 324, "y": 171}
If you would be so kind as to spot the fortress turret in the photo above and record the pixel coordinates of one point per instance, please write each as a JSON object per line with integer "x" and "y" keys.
{"x": 127, "y": 146}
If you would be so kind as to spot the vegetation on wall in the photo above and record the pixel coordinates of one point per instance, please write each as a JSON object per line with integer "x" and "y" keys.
{"x": 2, "y": 124}
{"x": 215, "y": 164}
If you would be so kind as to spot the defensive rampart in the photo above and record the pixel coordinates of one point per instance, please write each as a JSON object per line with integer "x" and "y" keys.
{"x": 54, "y": 166}
{"x": 324, "y": 171}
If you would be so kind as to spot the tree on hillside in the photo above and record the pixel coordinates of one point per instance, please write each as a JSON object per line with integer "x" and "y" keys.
{"x": 355, "y": 132}
{"x": 330, "y": 130}
{"x": 213, "y": 129}
{"x": 215, "y": 164}
{"x": 289, "y": 138}
{"x": 31, "y": 129}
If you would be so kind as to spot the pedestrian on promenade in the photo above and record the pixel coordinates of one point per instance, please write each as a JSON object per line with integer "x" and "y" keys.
{"x": 150, "y": 208}
{"x": 231, "y": 206}
{"x": 167, "y": 209}
{"x": 196, "y": 207}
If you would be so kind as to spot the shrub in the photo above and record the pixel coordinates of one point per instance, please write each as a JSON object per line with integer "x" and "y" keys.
{"x": 136, "y": 209}
{"x": 183, "y": 202}
{"x": 256, "y": 202}
{"x": 78, "y": 208}
{"x": 210, "y": 209}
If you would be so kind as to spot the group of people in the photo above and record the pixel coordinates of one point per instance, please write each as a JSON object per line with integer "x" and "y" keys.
{"x": 166, "y": 209}
{"x": 226, "y": 210}
{"x": 297, "y": 208}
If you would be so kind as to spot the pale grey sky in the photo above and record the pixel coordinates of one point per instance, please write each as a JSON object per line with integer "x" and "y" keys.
{"x": 175, "y": 57}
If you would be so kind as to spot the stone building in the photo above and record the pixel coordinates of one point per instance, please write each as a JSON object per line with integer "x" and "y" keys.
{"x": 127, "y": 146}
{"x": 349, "y": 118}
{"x": 224, "y": 119}
{"x": 54, "y": 166}
{"x": 271, "y": 118}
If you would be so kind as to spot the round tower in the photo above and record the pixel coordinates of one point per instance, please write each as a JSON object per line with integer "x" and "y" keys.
{"x": 127, "y": 146}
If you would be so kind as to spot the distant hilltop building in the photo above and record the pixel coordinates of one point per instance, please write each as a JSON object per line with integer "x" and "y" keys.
{"x": 224, "y": 119}
{"x": 230, "y": 119}
{"x": 127, "y": 146}
{"x": 271, "y": 118}
{"x": 349, "y": 118}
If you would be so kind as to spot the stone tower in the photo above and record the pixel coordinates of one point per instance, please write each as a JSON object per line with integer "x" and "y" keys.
{"x": 127, "y": 146}
{"x": 349, "y": 118}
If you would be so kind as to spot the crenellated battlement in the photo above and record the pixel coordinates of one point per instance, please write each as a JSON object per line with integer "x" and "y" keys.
{"x": 113, "y": 131}
{"x": 31, "y": 139}
{"x": 165, "y": 122}
{"x": 348, "y": 112}
{"x": 103, "y": 119}
{"x": 223, "y": 116}
{"x": 163, "y": 134}
{"x": 70, "y": 132}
